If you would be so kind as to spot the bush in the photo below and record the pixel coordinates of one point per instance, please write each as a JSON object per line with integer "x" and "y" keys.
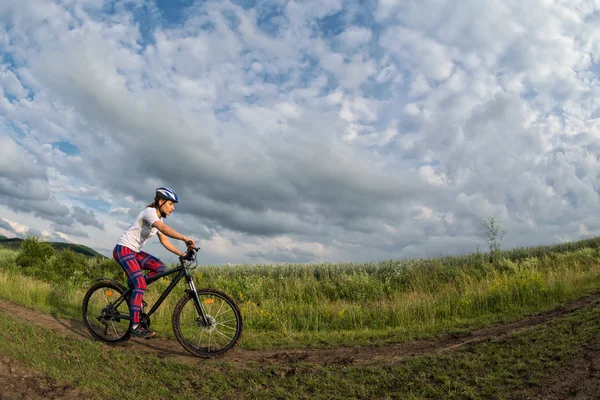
{"x": 39, "y": 260}
{"x": 104, "y": 268}
{"x": 34, "y": 253}
{"x": 68, "y": 264}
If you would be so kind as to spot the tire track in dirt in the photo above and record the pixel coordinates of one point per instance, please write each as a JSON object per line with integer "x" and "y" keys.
{"x": 348, "y": 356}
{"x": 18, "y": 381}
{"x": 580, "y": 380}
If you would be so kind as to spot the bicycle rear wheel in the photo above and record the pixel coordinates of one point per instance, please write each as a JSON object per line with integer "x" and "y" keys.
{"x": 106, "y": 312}
{"x": 224, "y": 326}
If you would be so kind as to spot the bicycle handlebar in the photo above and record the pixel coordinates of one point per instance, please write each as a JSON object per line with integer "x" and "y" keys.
{"x": 189, "y": 256}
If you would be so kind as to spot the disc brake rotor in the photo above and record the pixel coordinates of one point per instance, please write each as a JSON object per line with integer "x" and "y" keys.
{"x": 211, "y": 324}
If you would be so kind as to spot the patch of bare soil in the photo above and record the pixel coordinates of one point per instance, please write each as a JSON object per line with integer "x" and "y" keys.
{"x": 579, "y": 381}
{"x": 388, "y": 354}
{"x": 20, "y": 382}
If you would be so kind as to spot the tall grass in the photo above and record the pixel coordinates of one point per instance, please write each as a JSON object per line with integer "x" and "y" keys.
{"x": 395, "y": 300}
{"x": 332, "y": 304}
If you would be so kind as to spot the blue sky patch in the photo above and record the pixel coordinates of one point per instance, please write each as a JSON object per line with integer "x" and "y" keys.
{"x": 270, "y": 20}
{"x": 175, "y": 11}
{"x": 97, "y": 204}
{"x": 8, "y": 59}
{"x": 333, "y": 25}
{"x": 66, "y": 147}
{"x": 9, "y": 97}
{"x": 13, "y": 127}
{"x": 246, "y": 4}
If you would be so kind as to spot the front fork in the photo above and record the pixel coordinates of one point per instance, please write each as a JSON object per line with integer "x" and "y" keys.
{"x": 199, "y": 308}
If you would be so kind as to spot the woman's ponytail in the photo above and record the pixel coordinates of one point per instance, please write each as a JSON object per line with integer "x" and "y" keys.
{"x": 154, "y": 204}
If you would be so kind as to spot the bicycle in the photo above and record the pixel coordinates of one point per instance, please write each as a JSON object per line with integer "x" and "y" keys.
{"x": 206, "y": 322}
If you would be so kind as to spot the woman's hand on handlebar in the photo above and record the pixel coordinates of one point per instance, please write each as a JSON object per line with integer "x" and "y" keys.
{"x": 189, "y": 255}
{"x": 190, "y": 243}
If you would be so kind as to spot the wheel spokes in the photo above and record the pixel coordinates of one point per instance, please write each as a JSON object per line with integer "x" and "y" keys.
{"x": 103, "y": 316}
{"x": 220, "y": 331}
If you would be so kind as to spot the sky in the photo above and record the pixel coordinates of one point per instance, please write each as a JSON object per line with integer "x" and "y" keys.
{"x": 302, "y": 131}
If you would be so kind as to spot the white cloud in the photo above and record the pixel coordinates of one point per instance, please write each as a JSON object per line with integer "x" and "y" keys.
{"x": 15, "y": 226}
{"x": 119, "y": 211}
{"x": 418, "y": 52}
{"x": 16, "y": 164}
{"x": 355, "y": 36}
{"x": 11, "y": 84}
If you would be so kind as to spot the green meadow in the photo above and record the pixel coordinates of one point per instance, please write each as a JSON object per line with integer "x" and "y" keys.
{"x": 324, "y": 306}
{"x": 329, "y": 305}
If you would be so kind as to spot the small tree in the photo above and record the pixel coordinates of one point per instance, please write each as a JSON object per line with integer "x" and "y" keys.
{"x": 493, "y": 236}
{"x": 67, "y": 262}
{"x": 34, "y": 253}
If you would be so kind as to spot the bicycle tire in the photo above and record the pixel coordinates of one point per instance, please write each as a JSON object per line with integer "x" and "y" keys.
{"x": 218, "y": 337}
{"x": 96, "y": 303}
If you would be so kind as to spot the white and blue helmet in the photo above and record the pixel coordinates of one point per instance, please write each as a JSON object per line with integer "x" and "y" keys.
{"x": 167, "y": 194}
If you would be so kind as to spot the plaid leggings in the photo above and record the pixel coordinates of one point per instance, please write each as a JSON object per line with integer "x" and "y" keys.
{"x": 133, "y": 263}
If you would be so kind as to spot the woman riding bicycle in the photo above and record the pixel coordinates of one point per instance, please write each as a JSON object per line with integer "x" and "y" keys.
{"x": 128, "y": 251}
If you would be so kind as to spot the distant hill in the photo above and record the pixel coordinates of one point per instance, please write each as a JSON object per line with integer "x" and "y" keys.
{"x": 15, "y": 244}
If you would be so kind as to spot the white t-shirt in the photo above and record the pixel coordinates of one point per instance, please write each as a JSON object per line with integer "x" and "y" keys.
{"x": 140, "y": 230}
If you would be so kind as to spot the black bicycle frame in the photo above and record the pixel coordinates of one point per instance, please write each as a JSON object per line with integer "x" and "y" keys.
{"x": 183, "y": 272}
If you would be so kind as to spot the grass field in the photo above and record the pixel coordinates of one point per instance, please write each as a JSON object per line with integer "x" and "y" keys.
{"x": 326, "y": 305}
{"x": 506, "y": 368}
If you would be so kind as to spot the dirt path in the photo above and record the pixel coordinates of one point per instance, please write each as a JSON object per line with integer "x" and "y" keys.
{"x": 20, "y": 382}
{"x": 579, "y": 381}
{"x": 341, "y": 355}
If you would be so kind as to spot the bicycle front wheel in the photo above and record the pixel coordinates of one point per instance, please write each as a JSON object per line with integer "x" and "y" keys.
{"x": 222, "y": 330}
{"x": 106, "y": 312}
